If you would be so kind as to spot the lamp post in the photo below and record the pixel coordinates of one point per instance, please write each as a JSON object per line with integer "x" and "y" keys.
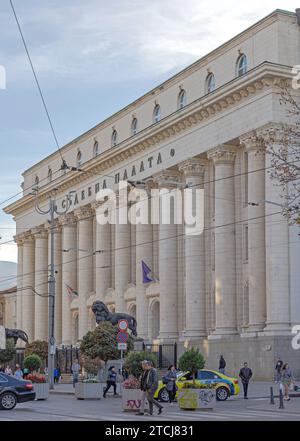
{"x": 52, "y": 211}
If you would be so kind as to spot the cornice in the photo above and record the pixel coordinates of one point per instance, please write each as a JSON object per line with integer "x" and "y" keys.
{"x": 264, "y": 77}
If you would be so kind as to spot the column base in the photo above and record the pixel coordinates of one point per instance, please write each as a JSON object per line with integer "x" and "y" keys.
{"x": 220, "y": 333}
{"x": 193, "y": 334}
{"x": 277, "y": 329}
{"x": 168, "y": 338}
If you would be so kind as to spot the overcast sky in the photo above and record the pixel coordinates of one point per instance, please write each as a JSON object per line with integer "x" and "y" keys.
{"x": 93, "y": 57}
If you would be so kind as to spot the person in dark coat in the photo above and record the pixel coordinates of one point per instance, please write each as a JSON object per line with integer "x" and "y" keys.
{"x": 245, "y": 375}
{"x": 222, "y": 365}
{"x": 170, "y": 380}
{"x": 111, "y": 381}
{"x": 278, "y": 370}
{"x": 149, "y": 385}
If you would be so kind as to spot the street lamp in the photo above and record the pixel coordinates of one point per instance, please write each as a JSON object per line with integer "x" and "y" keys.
{"x": 52, "y": 211}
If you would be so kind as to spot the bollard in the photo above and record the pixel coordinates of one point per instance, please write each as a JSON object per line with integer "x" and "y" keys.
{"x": 272, "y": 396}
{"x": 281, "y": 406}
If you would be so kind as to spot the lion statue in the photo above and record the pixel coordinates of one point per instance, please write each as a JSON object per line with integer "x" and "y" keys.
{"x": 102, "y": 314}
{"x": 16, "y": 334}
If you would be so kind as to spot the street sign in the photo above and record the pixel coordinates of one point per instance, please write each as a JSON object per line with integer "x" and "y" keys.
{"x": 122, "y": 337}
{"x": 123, "y": 325}
{"x": 122, "y": 346}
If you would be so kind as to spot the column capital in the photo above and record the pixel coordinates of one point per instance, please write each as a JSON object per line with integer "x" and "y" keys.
{"x": 193, "y": 167}
{"x": 223, "y": 154}
{"x": 28, "y": 238}
{"x": 19, "y": 239}
{"x": 57, "y": 226}
{"x": 272, "y": 133}
{"x": 168, "y": 179}
{"x": 84, "y": 213}
{"x": 40, "y": 233}
{"x": 67, "y": 219}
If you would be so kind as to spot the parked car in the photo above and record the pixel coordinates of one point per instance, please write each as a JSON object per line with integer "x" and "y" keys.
{"x": 13, "y": 391}
{"x": 225, "y": 386}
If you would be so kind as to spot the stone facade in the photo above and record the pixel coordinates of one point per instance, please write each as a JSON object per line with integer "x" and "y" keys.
{"x": 231, "y": 290}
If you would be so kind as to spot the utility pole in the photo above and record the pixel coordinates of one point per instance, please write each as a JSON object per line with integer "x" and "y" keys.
{"x": 52, "y": 211}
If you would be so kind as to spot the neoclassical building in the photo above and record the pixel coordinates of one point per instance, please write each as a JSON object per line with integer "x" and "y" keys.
{"x": 233, "y": 289}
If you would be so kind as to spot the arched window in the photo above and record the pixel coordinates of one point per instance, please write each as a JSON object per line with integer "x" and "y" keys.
{"x": 134, "y": 127}
{"x": 78, "y": 159}
{"x": 181, "y": 99}
{"x": 241, "y": 65}
{"x": 210, "y": 83}
{"x": 156, "y": 113}
{"x": 49, "y": 175}
{"x": 96, "y": 149}
{"x": 114, "y": 138}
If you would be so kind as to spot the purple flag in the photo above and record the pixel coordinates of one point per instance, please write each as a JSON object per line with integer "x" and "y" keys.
{"x": 146, "y": 273}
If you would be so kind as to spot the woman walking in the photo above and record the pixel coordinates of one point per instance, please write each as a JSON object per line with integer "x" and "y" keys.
{"x": 287, "y": 379}
{"x": 170, "y": 379}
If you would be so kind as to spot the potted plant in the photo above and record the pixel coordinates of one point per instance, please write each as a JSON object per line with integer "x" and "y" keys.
{"x": 131, "y": 392}
{"x": 41, "y": 387}
{"x": 90, "y": 387}
{"x": 195, "y": 395}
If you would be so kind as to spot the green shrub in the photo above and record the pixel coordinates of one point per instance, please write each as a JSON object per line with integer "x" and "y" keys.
{"x": 134, "y": 359}
{"x": 33, "y": 362}
{"x": 8, "y": 354}
{"x": 191, "y": 360}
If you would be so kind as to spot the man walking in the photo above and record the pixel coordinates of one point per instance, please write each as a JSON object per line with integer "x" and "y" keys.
{"x": 111, "y": 381}
{"x": 222, "y": 365}
{"x": 149, "y": 385}
{"x": 245, "y": 375}
{"x": 75, "y": 370}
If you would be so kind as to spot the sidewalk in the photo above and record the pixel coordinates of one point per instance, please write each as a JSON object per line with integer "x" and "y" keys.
{"x": 257, "y": 389}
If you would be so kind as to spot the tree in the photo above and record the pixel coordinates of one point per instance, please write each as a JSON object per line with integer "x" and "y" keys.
{"x": 133, "y": 362}
{"x": 102, "y": 343}
{"x": 283, "y": 147}
{"x": 191, "y": 360}
{"x": 39, "y": 348}
{"x": 6, "y": 355}
{"x": 33, "y": 363}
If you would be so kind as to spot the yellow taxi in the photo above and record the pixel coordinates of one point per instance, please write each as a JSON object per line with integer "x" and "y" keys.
{"x": 225, "y": 386}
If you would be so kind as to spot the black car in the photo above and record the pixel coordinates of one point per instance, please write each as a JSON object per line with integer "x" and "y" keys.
{"x": 13, "y": 391}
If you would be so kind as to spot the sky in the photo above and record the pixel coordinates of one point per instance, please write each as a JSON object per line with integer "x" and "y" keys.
{"x": 92, "y": 58}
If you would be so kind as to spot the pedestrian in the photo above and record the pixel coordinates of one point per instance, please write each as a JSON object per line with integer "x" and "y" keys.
{"x": 125, "y": 374}
{"x": 287, "y": 379}
{"x": 170, "y": 380}
{"x": 245, "y": 375}
{"x": 18, "y": 373}
{"x": 278, "y": 370}
{"x": 111, "y": 381}
{"x": 143, "y": 379}
{"x": 57, "y": 374}
{"x": 8, "y": 370}
{"x": 75, "y": 371}
{"x": 222, "y": 365}
{"x": 25, "y": 373}
{"x": 150, "y": 385}
{"x": 46, "y": 372}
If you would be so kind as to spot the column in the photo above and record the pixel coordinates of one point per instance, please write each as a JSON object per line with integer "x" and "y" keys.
{"x": 122, "y": 255}
{"x": 69, "y": 273}
{"x": 143, "y": 252}
{"x": 168, "y": 265}
{"x": 19, "y": 241}
{"x": 277, "y": 244}
{"x": 225, "y": 271}
{"x": 58, "y": 279}
{"x": 103, "y": 258}
{"x": 256, "y": 233}
{"x": 41, "y": 284}
{"x": 85, "y": 264}
{"x": 193, "y": 170}
{"x": 28, "y": 296}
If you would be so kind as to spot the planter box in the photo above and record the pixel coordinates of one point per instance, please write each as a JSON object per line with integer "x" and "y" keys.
{"x": 88, "y": 391}
{"x": 41, "y": 391}
{"x": 132, "y": 400}
{"x": 197, "y": 399}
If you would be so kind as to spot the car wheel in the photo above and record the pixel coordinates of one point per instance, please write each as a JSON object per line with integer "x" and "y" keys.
{"x": 163, "y": 395}
{"x": 222, "y": 393}
{"x": 8, "y": 401}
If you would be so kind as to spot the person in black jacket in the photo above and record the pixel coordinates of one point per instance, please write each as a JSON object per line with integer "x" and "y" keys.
{"x": 222, "y": 365}
{"x": 245, "y": 375}
{"x": 111, "y": 381}
{"x": 149, "y": 385}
